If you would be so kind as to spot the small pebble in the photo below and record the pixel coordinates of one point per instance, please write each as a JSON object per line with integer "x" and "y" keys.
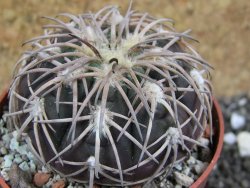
{"x": 32, "y": 166}
{"x": 23, "y": 149}
{"x": 230, "y": 138}
{"x": 57, "y": 177}
{"x": 18, "y": 160}
{"x": 70, "y": 186}
{"x": 30, "y": 155}
{"x": 162, "y": 184}
{"x": 9, "y": 156}
{"x": 183, "y": 179}
{"x": 6, "y": 139}
{"x": 5, "y": 175}
{"x": 242, "y": 102}
{"x": 200, "y": 167}
{"x": 14, "y": 134}
{"x": 45, "y": 169}
{"x": 178, "y": 167}
{"x": 191, "y": 160}
{"x": 7, "y": 161}
{"x": 243, "y": 140}
{"x": 14, "y": 144}
{"x": 41, "y": 179}
{"x": 204, "y": 141}
{"x": 3, "y": 151}
{"x": 24, "y": 166}
{"x": 59, "y": 184}
{"x": 237, "y": 121}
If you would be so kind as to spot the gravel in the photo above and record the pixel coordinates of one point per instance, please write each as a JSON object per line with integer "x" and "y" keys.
{"x": 237, "y": 120}
{"x": 230, "y": 138}
{"x": 233, "y": 169}
{"x": 243, "y": 140}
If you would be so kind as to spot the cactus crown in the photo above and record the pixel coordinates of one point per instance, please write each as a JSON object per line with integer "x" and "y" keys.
{"x": 111, "y": 99}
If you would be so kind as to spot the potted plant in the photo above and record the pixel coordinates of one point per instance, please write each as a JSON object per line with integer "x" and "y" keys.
{"x": 113, "y": 100}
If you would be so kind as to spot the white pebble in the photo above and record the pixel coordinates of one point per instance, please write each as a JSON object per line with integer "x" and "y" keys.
{"x": 191, "y": 160}
{"x": 14, "y": 144}
{"x": 30, "y": 155}
{"x": 18, "y": 160}
{"x": 70, "y": 186}
{"x": 230, "y": 138}
{"x": 183, "y": 179}
{"x": 200, "y": 167}
{"x": 6, "y": 139}
{"x": 204, "y": 141}
{"x": 162, "y": 184}
{"x": 243, "y": 139}
{"x": 7, "y": 161}
{"x": 14, "y": 134}
{"x": 178, "y": 186}
{"x": 3, "y": 151}
{"x": 237, "y": 121}
{"x": 5, "y": 175}
{"x": 9, "y": 156}
{"x": 178, "y": 167}
{"x": 242, "y": 102}
{"x": 45, "y": 169}
{"x": 6, "y": 164}
{"x": 22, "y": 149}
{"x": 57, "y": 177}
{"x": 32, "y": 166}
{"x": 24, "y": 166}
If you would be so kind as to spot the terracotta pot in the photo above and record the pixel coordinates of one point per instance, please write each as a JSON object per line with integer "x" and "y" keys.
{"x": 218, "y": 126}
{"x": 3, "y": 99}
{"x": 3, "y": 184}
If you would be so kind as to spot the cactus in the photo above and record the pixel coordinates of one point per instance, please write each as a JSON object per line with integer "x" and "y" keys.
{"x": 111, "y": 99}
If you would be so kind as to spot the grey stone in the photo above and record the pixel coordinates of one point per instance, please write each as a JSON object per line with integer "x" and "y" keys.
{"x": 183, "y": 179}
{"x": 3, "y": 151}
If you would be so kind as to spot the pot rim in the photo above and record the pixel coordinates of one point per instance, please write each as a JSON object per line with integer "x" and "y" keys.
{"x": 3, "y": 183}
{"x": 201, "y": 181}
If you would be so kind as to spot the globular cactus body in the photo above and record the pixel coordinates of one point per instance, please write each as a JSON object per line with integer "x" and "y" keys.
{"x": 111, "y": 99}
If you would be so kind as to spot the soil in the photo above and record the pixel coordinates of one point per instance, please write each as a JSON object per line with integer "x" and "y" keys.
{"x": 222, "y": 27}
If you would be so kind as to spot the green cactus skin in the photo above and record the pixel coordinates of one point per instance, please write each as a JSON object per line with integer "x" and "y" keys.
{"x": 111, "y": 99}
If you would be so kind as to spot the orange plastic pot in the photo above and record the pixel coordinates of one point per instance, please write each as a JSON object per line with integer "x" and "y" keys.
{"x": 218, "y": 127}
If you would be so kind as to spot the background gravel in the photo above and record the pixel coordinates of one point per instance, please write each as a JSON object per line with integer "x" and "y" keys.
{"x": 233, "y": 171}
